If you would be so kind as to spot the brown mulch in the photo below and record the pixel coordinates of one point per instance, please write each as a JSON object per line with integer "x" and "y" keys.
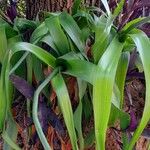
{"x": 134, "y": 95}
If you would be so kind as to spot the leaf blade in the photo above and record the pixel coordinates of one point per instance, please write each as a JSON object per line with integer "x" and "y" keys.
{"x": 65, "y": 105}
{"x": 142, "y": 43}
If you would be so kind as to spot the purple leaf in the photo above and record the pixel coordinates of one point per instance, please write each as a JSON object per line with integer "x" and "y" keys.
{"x": 22, "y": 86}
{"x": 133, "y": 122}
{"x": 47, "y": 115}
{"x": 135, "y": 75}
{"x": 12, "y": 11}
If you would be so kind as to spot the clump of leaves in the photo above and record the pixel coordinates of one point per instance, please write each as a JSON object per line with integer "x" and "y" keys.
{"x": 100, "y": 70}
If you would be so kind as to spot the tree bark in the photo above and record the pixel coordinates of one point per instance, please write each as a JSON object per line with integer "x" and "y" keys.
{"x": 34, "y": 6}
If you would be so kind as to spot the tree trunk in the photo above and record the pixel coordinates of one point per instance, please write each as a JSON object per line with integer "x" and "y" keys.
{"x": 35, "y": 6}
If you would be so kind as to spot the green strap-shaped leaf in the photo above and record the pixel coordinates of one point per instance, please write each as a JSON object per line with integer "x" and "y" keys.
{"x": 3, "y": 42}
{"x": 10, "y": 32}
{"x": 82, "y": 85}
{"x": 103, "y": 89}
{"x": 102, "y": 30}
{"x": 6, "y": 101}
{"x": 119, "y": 8}
{"x": 39, "y": 32}
{"x": 74, "y": 65}
{"x": 116, "y": 96}
{"x": 102, "y": 77}
{"x": 65, "y": 105}
{"x": 3, "y": 92}
{"x": 134, "y": 24}
{"x": 37, "y": 51}
{"x": 121, "y": 74}
{"x": 119, "y": 114}
{"x": 2, "y": 105}
{"x": 143, "y": 46}
{"x": 18, "y": 63}
{"x": 81, "y": 69}
{"x": 105, "y": 3}
{"x": 6, "y": 98}
{"x": 58, "y": 36}
{"x": 22, "y": 24}
{"x": 49, "y": 41}
{"x": 72, "y": 29}
{"x": 75, "y": 6}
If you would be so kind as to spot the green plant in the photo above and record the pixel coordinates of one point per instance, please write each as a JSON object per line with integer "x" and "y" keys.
{"x": 101, "y": 75}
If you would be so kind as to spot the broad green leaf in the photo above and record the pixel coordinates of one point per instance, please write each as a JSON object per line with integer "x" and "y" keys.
{"x": 18, "y": 63}
{"x": 121, "y": 74}
{"x": 89, "y": 140}
{"x": 134, "y": 24}
{"x": 116, "y": 96}
{"x": 37, "y": 51}
{"x": 65, "y": 105}
{"x": 125, "y": 140}
{"x": 10, "y": 32}
{"x": 72, "y": 29}
{"x": 119, "y": 8}
{"x": 22, "y": 24}
{"x": 39, "y": 32}
{"x": 83, "y": 14}
{"x": 81, "y": 69}
{"x": 78, "y": 113}
{"x": 78, "y": 124}
{"x": 73, "y": 64}
{"x": 3, "y": 94}
{"x": 129, "y": 45}
{"x": 39, "y": 74}
{"x": 3, "y": 43}
{"x": 103, "y": 89}
{"x": 138, "y": 64}
{"x": 14, "y": 39}
{"x": 82, "y": 85}
{"x": 57, "y": 34}
{"x": 105, "y": 3}
{"x": 102, "y": 77}
{"x": 2, "y": 105}
{"x": 102, "y": 30}
{"x": 117, "y": 114}
{"x": 49, "y": 41}
{"x": 75, "y": 6}
{"x": 87, "y": 109}
{"x": 143, "y": 44}
{"x": 5, "y": 87}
